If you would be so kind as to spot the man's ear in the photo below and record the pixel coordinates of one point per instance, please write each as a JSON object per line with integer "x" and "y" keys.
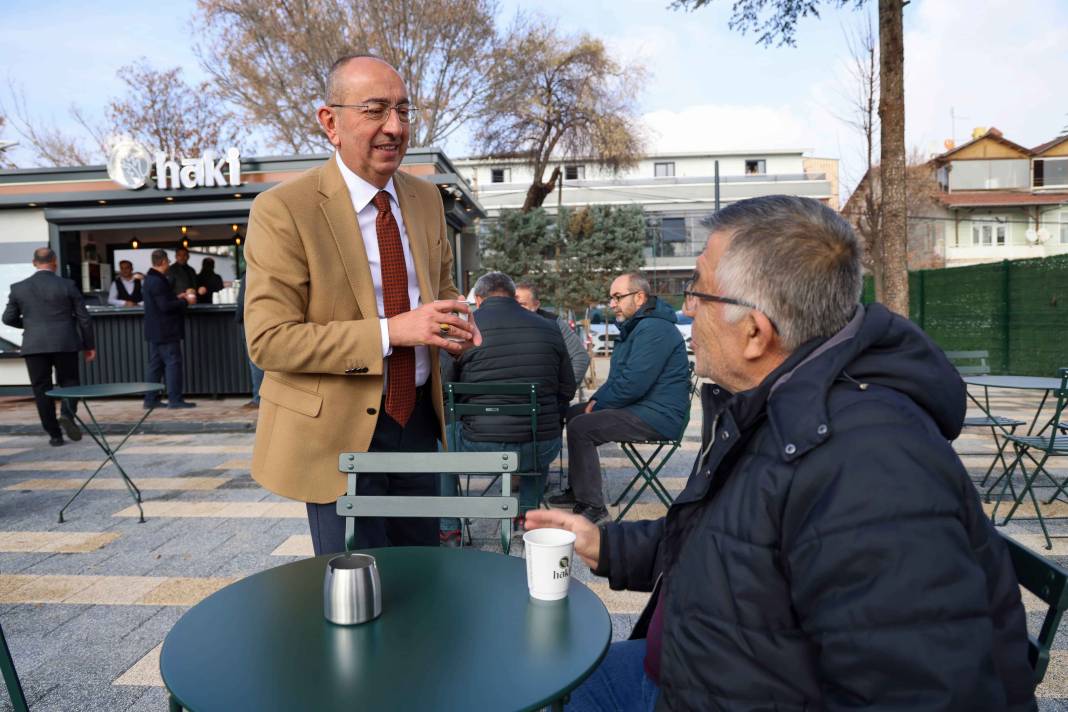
{"x": 761, "y": 339}
{"x": 328, "y": 120}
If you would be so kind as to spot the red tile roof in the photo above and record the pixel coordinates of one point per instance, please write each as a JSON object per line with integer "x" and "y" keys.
{"x": 967, "y": 198}
{"x": 1049, "y": 144}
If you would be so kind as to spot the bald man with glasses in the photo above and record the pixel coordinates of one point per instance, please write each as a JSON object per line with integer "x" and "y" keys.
{"x": 350, "y": 296}
{"x": 644, "y": 398}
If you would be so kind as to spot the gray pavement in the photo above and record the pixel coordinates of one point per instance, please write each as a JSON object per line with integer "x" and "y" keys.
{"x": 86, "y": 604}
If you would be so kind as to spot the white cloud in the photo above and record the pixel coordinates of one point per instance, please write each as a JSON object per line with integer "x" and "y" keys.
{"x": 726, "y": 127}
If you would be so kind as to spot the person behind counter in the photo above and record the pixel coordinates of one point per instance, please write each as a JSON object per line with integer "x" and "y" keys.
{"x": 208, "y": 282}
{"x": 126, "y": 287}
{"x": 181, "y": 276}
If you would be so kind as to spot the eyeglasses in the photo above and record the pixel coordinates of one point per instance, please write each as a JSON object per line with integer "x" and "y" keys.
{"x": 620, "y": 297}
{"x": 691, "y": 298}
{"x": 379, "y": 111}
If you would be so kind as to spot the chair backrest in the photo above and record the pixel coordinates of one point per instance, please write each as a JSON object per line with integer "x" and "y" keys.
{"x": 1048, "y": 581}
{"x": 970, "y": 363}
{"x": 350, "y": 505}
{"x": 691, "y": 374}
{"x": 530, "y": 409}
{"x": 1061, "y": 394}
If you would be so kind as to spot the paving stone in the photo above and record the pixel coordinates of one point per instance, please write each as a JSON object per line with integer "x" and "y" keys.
{"x": 183, "y": 591}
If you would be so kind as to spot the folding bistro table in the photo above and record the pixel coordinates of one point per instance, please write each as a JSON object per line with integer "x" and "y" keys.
{"x": 458, "y": 631}
{"x": 84, "y": 394}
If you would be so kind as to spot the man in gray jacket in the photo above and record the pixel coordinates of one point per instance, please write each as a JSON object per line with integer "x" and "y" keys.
{"x": 56, "y": 326}
{"x": 526, "y": 293}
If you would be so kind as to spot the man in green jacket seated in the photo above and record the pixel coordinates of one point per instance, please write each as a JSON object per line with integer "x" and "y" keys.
{"x": 644, "y": 398}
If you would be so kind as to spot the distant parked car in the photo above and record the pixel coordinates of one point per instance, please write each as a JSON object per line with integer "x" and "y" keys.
{"x": 684, "y": 326}
{"x": 603, "y": 330}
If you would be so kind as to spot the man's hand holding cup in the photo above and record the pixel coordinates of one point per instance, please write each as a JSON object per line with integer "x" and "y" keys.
{"x": 436, "y": 324}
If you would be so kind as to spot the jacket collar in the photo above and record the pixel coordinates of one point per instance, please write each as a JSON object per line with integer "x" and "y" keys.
{"x": 340, "y": 215}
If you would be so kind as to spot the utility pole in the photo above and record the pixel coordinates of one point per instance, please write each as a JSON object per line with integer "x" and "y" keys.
{"x": 717, "y": 185}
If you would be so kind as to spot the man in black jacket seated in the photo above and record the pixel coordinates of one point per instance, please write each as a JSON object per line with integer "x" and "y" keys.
{"x": 829, "y": 550}
{"x": 518, "y": 346}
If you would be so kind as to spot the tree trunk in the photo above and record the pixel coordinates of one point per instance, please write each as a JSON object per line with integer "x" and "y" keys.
{"x": 538, "y": 191}
{"x": 894, "y": 239}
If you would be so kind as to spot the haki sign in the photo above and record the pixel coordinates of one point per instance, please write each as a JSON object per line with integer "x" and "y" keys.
{"x": 130, "y": 165}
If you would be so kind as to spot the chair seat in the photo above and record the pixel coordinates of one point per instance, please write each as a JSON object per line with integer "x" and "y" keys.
{"x": 983, "y": 421}
{"x": 646, "y": 442}
{"x": 1038, "y": 442}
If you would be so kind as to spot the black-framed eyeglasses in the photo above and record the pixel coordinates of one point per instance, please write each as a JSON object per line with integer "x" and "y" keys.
{"x": 691, "y": 298}
{"x": 617, "y": 298}
{"x": 379, "y": 111}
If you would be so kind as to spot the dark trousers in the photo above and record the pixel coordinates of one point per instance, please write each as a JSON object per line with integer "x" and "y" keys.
{"x": 165, "y": 362}
{"x": 419, "y": 435}
{"x": 585, "y": 431}
{"x": 40, "y": 366}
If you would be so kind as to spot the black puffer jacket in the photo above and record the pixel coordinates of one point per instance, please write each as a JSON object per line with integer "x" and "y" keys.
{"x": 518, "y": 346}
{"x": 829, "y": 550}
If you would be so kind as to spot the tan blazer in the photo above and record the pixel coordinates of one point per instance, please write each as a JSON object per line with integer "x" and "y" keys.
{"x": 312, "y": 324}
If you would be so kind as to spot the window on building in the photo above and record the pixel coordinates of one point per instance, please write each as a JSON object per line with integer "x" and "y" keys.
{"x": 498, "y": 175}
{"x": 755, "y": 167}
{"x": 673, "y": 230}
{"x": 989, "y": 232}
{"x": 574, "y": 172}
{"x": 664, "y": 170}
{"x": 1051, "y": 172}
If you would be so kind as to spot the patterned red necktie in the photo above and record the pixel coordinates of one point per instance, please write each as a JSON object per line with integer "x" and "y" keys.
{"x": 400, "y": 385}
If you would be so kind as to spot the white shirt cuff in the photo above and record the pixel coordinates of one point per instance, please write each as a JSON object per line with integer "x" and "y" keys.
{"x": 386, "y": 348}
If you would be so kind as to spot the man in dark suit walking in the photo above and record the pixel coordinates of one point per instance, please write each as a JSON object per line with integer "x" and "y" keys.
{"x": 164, "y": 329}
{"x": 56, "y": 326}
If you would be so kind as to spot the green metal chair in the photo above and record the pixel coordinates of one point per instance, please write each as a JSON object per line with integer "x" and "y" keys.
{"x": 649, "y": 466}
{"x": 1049, "y": 582}
{"x": 977, "y": 363}
{"x": 1051, "y": 445}
{"x": 351, "y": 505}
{"x": 11, "y": 676}
{"x": 530, "y": 409}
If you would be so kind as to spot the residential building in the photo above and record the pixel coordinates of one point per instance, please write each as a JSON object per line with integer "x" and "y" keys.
{"x": 1005, "y": 201}
{"x": 675, "y": 190}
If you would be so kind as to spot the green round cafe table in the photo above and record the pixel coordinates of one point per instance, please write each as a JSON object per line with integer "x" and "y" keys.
{"x": 101, "y": 391}
{"x": 458, "y": 631}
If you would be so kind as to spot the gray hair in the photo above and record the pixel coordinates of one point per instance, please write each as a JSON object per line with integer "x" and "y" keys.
{"x": 159, "y": 257}
{"x": 795, "y": 259}
{"x": 494, "y": 284}
{"x": 44, "y": 255}
{"x": 637, "y": 282}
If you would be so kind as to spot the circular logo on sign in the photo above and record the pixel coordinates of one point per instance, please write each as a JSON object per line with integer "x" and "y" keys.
{"x": 129, "y": 163}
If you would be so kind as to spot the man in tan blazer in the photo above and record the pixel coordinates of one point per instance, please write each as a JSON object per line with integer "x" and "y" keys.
{"x": 350, "y": 295}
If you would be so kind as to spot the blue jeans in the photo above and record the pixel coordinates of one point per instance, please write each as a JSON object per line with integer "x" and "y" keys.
{"x": 530, "y": 488}
{"x": 165, "y": 363}
{"x": 619, "y": 684}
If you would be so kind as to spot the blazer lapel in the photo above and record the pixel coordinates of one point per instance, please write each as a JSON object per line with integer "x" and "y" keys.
{"x": 337, "y": 209}
{"x": 415, "y": 226}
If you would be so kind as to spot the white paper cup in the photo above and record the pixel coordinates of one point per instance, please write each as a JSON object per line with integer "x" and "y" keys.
{"x": 548, "y": 553}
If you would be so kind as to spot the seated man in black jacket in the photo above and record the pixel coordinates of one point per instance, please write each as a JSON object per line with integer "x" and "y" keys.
{"x": 828, "y": 550}
{"x": 518, "y": 346}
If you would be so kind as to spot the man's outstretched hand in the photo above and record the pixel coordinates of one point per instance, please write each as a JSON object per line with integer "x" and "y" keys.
{"x": 422, "y": 327}
{"x": 587, "y": 535}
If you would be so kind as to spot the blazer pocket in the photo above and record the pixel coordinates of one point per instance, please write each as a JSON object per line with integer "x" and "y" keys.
{"x": 291, "y": 397}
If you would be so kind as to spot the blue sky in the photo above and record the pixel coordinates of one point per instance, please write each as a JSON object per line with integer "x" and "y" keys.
{"x": 995, "y": 63}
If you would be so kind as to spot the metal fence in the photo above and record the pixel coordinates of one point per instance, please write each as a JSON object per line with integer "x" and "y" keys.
{"x": 1016, "y": 310}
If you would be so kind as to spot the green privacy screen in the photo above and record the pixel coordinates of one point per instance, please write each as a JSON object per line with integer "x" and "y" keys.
{"x": 1016, "y": 311}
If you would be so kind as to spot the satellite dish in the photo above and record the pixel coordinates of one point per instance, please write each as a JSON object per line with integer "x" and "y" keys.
{"x": 1043, "y": 234}
{"x": 1031, "y": 235}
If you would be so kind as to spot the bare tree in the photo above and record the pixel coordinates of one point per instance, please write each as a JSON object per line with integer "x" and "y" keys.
{"x": 163, "y": 112}
{"x": 50, "y": 145}
{"x": 776, "y": 20}
{"x": 862, "y": 96}
{"x": 271, "y": 59}
{"x": 5, "y": 146}
{"x": 559, "y": 97}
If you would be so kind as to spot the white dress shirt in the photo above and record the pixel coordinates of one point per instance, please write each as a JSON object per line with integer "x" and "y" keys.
{"x": 113, "y": 293}
{"x": 362, "y": 193}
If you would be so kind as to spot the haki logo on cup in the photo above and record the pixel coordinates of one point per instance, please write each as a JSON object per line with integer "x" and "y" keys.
{"x": 565, "y": 569}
